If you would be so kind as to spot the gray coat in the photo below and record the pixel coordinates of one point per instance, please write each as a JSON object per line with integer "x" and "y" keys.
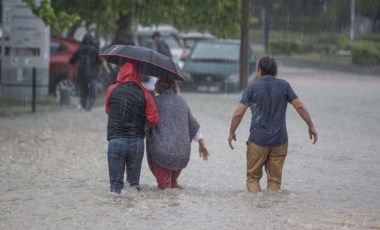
{"x": 168, "y": 144}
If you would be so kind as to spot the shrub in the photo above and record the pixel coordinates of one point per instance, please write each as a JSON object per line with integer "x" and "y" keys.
{"x": 367, "y": 53}
{"x": 290, "y": 47}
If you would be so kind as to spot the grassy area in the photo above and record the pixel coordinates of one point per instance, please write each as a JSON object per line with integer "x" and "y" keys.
{"x": 323, "y": 58}
{"x": 14, "y": 107}
{"x": 256, "y": 36}
{"x": 327, "y": 47}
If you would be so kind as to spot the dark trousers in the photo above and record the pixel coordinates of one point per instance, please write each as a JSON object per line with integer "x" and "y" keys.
{"x": 88, "y": 94}
{"x": 125, "y": 152}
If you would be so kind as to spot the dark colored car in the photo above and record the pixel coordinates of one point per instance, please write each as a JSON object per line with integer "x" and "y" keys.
{"x": 61, "y": 50}
{"x": 213, "y": 66}
{"x": 191, "y": 38}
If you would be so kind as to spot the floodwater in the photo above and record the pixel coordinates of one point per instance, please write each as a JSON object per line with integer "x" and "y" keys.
{"x": 53, "y": 168}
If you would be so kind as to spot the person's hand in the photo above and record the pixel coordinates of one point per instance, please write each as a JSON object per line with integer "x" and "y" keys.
{"x": 203, "y": 152}
{"x": 313, "y": 134}
{"x": 230, "y": 138}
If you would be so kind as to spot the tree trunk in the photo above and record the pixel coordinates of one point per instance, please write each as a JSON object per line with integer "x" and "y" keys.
{"x": 352, "y": 29}
{"x": 265, "y": 14}
{"x": 124, "y": 24}
{"x": 73, "y": 29}
{"x": 244, "y": 44}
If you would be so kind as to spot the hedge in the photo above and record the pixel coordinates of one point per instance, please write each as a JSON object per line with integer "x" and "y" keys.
{"x": 366, "y": 53}
{"x": 290, "y": 47}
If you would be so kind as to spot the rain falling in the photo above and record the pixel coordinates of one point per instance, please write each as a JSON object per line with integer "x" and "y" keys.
{"x": 263, "y": 114}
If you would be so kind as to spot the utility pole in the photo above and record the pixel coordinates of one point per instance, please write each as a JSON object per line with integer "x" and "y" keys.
{"x": 266, "y": 10}
{"x": 352, "y": 30}
{"x": 244, "y": 43}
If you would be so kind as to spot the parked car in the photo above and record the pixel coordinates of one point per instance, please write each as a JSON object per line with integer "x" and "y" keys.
{"x": 213, "y": 66}
{"x": 61, "y": 50}
{"x": 189, "y": 39}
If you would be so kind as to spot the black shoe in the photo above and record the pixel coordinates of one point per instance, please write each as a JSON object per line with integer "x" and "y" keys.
{"x": 116, "y": 191}
{"x": 137, "y": 187}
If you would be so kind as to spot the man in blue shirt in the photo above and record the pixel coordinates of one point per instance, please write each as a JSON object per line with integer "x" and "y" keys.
{"x": 267, "y": 146}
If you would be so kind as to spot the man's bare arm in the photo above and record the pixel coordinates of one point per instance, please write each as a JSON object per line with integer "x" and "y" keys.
{"x": 235, "y": 121}
{"x": 302, "y": 111}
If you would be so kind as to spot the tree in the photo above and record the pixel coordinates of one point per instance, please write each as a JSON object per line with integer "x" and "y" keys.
{"x": 220, "y": 17}
{"x": 371, "y": 9}
{"x": 244, "y": 37}
{"x": 58, "y": 20}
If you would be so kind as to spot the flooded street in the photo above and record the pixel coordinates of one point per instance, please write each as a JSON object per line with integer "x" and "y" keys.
{"x": 54, "y": 173}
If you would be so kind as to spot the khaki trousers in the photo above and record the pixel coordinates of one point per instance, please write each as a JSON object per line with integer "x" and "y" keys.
{"x": 272, "y": 158}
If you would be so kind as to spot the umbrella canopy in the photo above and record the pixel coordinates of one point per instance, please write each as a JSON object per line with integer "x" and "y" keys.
{"x": 148, "y": 61}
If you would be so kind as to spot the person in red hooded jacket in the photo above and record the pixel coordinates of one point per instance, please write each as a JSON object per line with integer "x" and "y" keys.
{"x": 129, "y": 106}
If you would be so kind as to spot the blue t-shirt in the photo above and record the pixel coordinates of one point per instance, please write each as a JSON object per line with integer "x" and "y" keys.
{"x": 268, "y": 98}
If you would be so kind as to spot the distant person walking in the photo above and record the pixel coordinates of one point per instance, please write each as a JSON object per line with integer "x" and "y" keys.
{"x": 158, "y": 44}
{"x": 88, "y": 63}
{"x": 267, "y": 145}
{"x": 169, "y": 143}
{"x": 128, "y": 105}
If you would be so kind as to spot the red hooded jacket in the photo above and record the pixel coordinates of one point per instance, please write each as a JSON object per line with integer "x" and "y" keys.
{"x": 128, "y": 73}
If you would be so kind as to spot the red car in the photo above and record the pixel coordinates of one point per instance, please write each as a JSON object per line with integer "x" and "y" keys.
{"x": 61, "y": 50}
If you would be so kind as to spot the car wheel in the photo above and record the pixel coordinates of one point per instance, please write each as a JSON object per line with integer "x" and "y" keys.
{"x": 64, "y": 85}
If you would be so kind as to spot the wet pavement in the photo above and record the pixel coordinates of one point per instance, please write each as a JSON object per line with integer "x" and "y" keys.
{"x": 53, "y": 168}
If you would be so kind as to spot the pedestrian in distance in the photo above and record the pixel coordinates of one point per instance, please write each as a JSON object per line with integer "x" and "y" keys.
{"x": 267, "y": 146}
{"x": 128, "y": 105}
{"x": 88, "y": 63}
{"x": 169, "y": 143}
{"x": 157, "y": 44}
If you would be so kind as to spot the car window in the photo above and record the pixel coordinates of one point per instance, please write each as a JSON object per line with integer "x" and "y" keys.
{"x": 190, "y": 42}
{"x": 144, "y": 40}
{"x": 56, "y": 47}
{"x": 225, "y": 51}
{"x": 171, "y": 41}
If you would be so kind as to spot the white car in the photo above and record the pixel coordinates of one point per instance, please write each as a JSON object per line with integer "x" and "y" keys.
{"x": 143, "y": 35}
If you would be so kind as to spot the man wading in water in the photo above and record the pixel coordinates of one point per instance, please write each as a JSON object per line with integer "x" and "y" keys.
{"x": 268, "y": 141}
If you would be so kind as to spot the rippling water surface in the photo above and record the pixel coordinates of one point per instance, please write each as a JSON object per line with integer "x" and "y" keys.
{"x": 53, "y": 168}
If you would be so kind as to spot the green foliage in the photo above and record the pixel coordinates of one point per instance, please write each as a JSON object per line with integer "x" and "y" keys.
{"x": 374, "y": 37}
{"x": 344, "y": 43}
{"x": 290, "y": 46}
{"x": 371, "y": 9}
{"x": 57, "y": 20}
{"x": 221, "y": 17}
{"x": 367, "y": 53}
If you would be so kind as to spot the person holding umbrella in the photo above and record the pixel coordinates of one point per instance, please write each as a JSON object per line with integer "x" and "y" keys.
{"x": 124, "y": 104}
{"x": 169, "y": 143}
{"x": 128, "y": 105}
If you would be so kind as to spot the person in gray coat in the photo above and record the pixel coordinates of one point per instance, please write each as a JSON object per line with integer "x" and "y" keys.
{"x": 169, "y": 143}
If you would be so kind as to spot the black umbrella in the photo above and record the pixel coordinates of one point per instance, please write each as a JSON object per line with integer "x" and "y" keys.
{"x": 148, "y": 61}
